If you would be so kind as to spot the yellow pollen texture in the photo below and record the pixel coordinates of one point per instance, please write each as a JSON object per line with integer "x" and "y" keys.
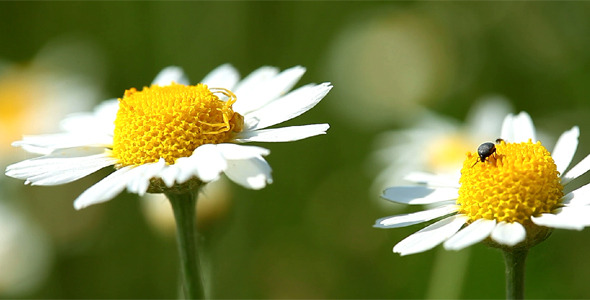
{"x": 519, "y": 181}
{"x": 171, "y": 121}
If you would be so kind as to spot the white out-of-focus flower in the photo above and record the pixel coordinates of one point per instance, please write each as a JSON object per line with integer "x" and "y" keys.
{"x": 394, "y": 62}
{"x": 35, "y": 95}
{"x": 214, "y": 203}
{"x": 25, "y": 253}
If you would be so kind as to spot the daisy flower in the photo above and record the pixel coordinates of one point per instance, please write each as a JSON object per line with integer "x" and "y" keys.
{"x": 511, "y": 197}
{"x": 173, "y": 136}
{"x": 436, "y": 144}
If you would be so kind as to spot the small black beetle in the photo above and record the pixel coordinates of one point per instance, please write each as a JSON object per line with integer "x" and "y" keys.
{"x": 485, "y": 150}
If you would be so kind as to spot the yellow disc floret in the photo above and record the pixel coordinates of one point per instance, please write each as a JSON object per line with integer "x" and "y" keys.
{"x": 519, "y": 181}
{"x": 171, "y": 121}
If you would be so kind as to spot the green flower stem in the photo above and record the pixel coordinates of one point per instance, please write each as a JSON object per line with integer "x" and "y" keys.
{"x": 515, "y": 261}
{"x": 184, "y": 206}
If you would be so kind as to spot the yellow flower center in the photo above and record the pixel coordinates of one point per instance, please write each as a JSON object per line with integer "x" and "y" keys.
{"x": 519, "y": 181}
{"x": 171, "y": 121}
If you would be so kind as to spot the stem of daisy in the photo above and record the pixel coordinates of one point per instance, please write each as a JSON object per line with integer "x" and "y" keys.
{"x": 515, "y": 261}
{"x": 184, "y": 206}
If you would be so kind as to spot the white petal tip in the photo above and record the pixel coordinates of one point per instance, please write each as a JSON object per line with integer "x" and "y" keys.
{"x": 78, "y": 206}
{"x": 297, "y": 69}
{"x": 402, "y": 253}
{"x": 169, "y": 75}
{"x": 258, "y": 185}
{"x": 508, "y": 234}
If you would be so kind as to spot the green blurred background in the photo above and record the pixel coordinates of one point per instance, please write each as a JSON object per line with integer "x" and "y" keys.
{"x": 309, "y": 234}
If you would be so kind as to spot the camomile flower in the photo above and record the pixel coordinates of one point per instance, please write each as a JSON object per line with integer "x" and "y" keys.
{"x": 510, "y": 194}
{"x": 436, "y": 144}
{"x": 172, "y": 136}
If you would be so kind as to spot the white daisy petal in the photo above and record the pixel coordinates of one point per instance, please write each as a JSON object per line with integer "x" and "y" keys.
{"x": 256, "y": 78}
{"x": 206, "y": 162}
{"x": 100, "y": 121}
{"x": 140, "y": 183}
{"x": 73, "y": 152}
{"x": 283, "y": 134}
{"x": 186, "y": 169}
{"x": 524, "y": 128}
{"x": 486, "y": 115}
{"x": 169, "y": 174}
{"x": 287, "y": 107}
{"x": 578, "y": 197}
{"x": 415, "y": 218}
{"x": 224, "y": 76}
{"x": 472, "y": 234}
{"x": 59, "y": 168}
{"x": 253, "y": 173}
{"x": 573, "y": 218}
{"x": 433, "y": 179}
{"x": 507, "y": 132}
{"x": 576, "y": 171}
{"x": 508, "y": 234}
{"x": 264, "y": 86}
{"x": 247, "y": 88}
{"x": 565, "y": 148}
{"x": 430, "y": 236}
{"x": 107, "y": 110}
{"x": 67, "y": 173}
{"x": 519, "y": 128}
{"x": 169, "y": 75}
{"x": 419, "y": 194}
{"x": 210, "y": 170}
{"x": 47, "y": 143}
{"x": 237, "y": 152}
{"x": 106, "y": 189}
